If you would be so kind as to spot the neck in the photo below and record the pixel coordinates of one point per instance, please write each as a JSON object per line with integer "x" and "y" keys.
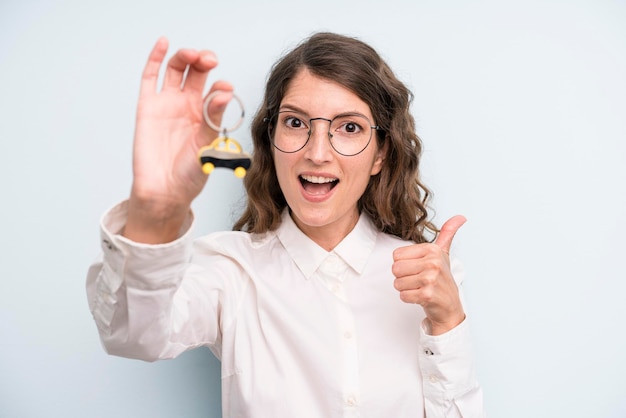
{"x": 328, "y": 236}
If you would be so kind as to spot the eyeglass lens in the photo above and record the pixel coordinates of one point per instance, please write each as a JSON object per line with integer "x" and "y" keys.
{"x": 349, "y": 134}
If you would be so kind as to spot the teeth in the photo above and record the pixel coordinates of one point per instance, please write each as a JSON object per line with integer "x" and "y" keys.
{"x": 318, "y": 180}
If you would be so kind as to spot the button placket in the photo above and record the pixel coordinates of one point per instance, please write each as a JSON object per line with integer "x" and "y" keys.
{"x": 333, "y": 272}
{"x": 347, "y": 328}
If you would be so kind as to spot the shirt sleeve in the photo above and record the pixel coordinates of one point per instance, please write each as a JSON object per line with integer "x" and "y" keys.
{"x": 151, "y": 302}
{"x": 446, "y": 361}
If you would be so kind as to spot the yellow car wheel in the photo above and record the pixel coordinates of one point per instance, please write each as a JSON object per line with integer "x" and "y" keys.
{"x": 208, "y": 168}
{"x": 240, "y": 172}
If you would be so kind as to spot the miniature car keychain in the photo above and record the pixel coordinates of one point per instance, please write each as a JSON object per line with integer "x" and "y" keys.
{"x": 224, "y": 151}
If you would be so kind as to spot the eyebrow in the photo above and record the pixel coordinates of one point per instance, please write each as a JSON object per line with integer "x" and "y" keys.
{"x": 292, "y": 108}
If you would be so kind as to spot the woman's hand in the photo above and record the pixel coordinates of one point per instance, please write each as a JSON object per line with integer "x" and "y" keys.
{"x": 423, "y": 276}
{"x": 170, "y": 130}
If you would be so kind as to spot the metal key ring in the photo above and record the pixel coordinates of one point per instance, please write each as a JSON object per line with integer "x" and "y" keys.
{"x": 207, "y": 119}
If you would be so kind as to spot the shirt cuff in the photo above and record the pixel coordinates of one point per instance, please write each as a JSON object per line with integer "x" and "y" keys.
{"x": 446, "y": 362}
{"x": 139, "y": 265}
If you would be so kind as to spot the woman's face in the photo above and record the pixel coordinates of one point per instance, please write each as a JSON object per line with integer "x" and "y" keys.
{"x": 322, "y": 187}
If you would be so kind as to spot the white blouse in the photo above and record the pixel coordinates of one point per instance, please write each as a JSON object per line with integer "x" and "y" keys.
{"x": 300, "y": 332}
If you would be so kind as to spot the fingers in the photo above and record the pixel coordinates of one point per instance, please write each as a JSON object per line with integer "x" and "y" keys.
{"x": 423, "y": 276}
{"x": 187, "y": 68}
{"x": 418, "y": 272}
{"x": 443, "y": 241}
{"x": 199, "y": 71}
{"x": 412, "y": 263}
{"x": 219, "y": 102}
{"x": 429, "y": 283}
{"x": 422, "y": 288}
{"x": 413, "y": 282}
{"x": 176, "y": 67}
{"x": 420, "y": 296}
{"x": 150, "y": 74}
{"x": 448, "y": 230}
{"x": 191, "y": 67}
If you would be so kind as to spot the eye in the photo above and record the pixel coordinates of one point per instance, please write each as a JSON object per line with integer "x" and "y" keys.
{"x": 349, "y": 125}
{"x": 294, "y": 122}
{"x": 352, "y": 127}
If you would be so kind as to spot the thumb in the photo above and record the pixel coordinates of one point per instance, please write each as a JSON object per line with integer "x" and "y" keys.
{"x": 448, "y": 230}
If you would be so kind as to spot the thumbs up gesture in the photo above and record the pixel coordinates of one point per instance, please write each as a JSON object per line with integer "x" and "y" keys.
{"x": 423, "y": 276}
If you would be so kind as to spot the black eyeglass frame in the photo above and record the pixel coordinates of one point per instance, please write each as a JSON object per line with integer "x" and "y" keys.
{"x": 330, "y": 135}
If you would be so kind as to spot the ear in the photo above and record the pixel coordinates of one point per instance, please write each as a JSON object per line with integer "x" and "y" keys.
{"x": 380, "y": 159}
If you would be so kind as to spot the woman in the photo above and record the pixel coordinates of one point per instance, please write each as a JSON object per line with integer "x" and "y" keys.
{"x": 328, "y": 300}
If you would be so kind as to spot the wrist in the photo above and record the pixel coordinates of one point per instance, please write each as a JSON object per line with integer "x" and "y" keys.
{"x": 441, "y": 327}
{"x": 153, "y": 222}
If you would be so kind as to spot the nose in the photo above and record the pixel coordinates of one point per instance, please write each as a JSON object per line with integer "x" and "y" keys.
{"x": 318, "y": 148}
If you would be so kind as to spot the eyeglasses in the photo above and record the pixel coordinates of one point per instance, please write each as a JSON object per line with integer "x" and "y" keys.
{"x": 349, "y": 133}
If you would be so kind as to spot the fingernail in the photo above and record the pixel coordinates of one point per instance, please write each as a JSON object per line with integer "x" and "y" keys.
{"x": 209, "y": 57}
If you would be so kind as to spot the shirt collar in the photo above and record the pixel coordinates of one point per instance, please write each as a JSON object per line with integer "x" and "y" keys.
{"x": 354, "y": 249}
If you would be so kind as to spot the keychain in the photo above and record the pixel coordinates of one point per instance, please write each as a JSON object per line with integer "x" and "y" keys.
{"x": 224, "y": 151}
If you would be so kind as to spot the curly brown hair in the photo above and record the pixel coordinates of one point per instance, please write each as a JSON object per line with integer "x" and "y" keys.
{"x": 395, "y": 199}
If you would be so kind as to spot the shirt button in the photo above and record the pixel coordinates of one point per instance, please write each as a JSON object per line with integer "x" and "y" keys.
{"x": 335, "y": 288}
{"x": 347, "y": 335}
{"x": 428, "y": 352}
{"x": 109, "y": 245}
{"x": 433, "y": 378}
{"x": 351, "y": 401}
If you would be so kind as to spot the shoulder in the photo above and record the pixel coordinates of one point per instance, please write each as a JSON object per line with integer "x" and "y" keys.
{"x": 235, "y": 239}
{"x": 236, "y": 244}
{"x": 389, "y": 241}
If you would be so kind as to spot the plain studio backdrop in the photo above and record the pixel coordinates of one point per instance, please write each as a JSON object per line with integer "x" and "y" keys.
{"x": 522, "y": 109}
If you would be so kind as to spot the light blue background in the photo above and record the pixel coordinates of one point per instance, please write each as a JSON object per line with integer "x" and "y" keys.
{"x": 522, "y": 108}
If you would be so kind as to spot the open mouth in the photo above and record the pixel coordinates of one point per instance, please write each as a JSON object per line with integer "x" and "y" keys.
{"x": 318, "y": 185}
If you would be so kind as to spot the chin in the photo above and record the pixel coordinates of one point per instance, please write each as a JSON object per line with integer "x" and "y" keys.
{"x": 310, "y": 217}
